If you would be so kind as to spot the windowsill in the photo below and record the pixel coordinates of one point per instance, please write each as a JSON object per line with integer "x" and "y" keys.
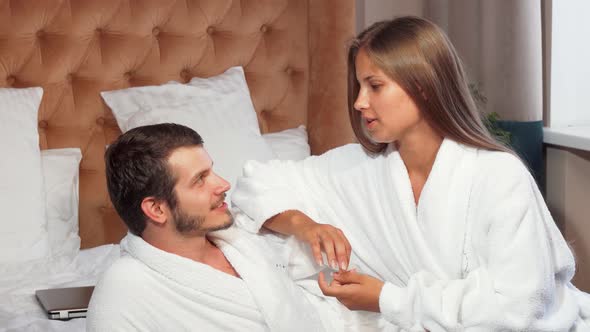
{"x": 577, "y": 137}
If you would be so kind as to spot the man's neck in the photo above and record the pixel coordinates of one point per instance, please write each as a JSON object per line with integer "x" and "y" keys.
{"x": 197, "y": 248}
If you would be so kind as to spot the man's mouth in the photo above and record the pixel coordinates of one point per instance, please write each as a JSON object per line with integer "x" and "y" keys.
{"x": 219, "y": 204}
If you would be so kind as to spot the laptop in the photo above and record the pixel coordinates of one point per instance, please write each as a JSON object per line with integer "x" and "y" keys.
{"x": 65, "y": 303}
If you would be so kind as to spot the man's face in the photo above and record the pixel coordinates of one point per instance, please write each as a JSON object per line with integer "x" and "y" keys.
{"x": 199, "y": 191}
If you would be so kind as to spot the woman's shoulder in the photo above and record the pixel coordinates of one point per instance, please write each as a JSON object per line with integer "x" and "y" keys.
{"x": 346, "y": 156}
{"x": 347, "y": 150}
{"x": 501, "y": 171}
{"x": 500, "y": 162}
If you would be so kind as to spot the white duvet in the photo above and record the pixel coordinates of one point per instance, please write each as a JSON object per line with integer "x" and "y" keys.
{"x": 19, "y": 309}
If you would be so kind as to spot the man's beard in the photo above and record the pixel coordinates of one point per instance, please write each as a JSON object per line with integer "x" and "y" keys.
{"x": 186, "y": 223}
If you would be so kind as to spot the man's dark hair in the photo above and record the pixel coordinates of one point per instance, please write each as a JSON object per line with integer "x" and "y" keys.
{"x": 137, "y": 167}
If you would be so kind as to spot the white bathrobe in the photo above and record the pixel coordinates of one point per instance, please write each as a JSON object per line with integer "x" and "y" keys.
{"x": 479, "y": 252}
{"x": 148, "y": 289}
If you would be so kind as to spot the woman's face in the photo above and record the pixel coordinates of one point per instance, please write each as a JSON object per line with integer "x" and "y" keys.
{"x": 388, "y": 113}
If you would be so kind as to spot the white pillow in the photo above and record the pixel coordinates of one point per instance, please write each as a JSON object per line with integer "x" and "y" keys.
{"x": 23, "y": 231}
{"x": 289, "y": 144}
{"x": 60, "y": 175}
{"x": 219, "y": 108}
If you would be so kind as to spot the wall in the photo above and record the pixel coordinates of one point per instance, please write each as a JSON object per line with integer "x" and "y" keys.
{"x": 371, "y": 11}
{"x": 568, "y": 198}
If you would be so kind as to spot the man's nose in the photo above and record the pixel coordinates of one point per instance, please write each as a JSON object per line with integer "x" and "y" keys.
{"x": 222, "y": 185}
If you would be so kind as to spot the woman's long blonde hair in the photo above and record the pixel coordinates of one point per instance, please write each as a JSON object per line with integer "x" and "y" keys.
{"x": 418, "y": 56}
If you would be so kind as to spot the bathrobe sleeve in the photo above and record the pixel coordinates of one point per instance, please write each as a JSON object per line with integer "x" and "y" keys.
{"x": 521, "y": 270}
{"x": 267, "y": 189}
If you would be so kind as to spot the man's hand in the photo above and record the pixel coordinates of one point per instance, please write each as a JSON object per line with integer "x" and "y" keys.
{"x": 356, "y": 291}
{"x": 321, "y": 237}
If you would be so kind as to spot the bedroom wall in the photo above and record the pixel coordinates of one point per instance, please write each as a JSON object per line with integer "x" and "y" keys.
{"x": 371, "y": 11}
{"x": 568, "y": 190}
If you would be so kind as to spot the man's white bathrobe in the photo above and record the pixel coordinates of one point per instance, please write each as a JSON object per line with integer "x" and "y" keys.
{"x": 479, "y": 252}
{"x": 148, "y": 289}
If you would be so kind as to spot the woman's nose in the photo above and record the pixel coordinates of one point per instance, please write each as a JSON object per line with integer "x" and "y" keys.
{"x": 360, "y": 102}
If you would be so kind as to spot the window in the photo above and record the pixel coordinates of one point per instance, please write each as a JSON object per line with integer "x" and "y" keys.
{"x": 569, "y": 87}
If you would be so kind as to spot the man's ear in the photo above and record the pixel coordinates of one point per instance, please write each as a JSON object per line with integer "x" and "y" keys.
{"x": 155, "y": 210}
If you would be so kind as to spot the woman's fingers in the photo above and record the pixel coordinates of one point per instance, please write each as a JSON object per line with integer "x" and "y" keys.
{"x": 348, "y": 277}
{"x": 328, "y": 246}
{"x": 343, "y": 250}
{"x": 331, "y": 241}
{"x": 316, "y": 249}
{"x": 328, "y": 289}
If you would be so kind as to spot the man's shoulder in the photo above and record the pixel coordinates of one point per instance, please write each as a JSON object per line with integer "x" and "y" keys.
{"x": 126, "y": 275}
{"x": 119, "y": 296}
{"x": 125, "y": 268}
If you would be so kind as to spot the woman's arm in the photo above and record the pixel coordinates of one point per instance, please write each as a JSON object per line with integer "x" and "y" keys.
{"x": 288, "y": 197}
{"x": 521, "y": 282}
{"x": 318, "y": 236}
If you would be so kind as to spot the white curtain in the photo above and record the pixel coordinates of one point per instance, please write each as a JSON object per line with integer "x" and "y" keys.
{"x": 500, "y": 42}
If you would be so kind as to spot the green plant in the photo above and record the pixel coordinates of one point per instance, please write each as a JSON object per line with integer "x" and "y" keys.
{"x": 490, "y": 119}
{"x": 491, "y": 122}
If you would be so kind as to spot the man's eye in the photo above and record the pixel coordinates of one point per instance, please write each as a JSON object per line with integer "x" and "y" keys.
{"x": 199, "y": 181}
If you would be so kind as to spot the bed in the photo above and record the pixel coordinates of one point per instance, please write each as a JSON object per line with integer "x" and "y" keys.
{"x": 290, "y": 52}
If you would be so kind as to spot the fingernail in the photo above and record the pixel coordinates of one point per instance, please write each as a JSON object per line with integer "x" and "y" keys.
{"x": 343, "y": 266}
{"x": 319, "y": 262}
{"x": 334, "y": 265}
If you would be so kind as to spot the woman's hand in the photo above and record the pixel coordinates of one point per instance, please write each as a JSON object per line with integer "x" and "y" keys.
{"x": 356, "y": 291}
{"x": 321, "y": 237}
{"x": 329, "y": 239}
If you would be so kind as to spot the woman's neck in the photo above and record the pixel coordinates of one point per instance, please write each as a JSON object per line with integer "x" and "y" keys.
{"x": 418, "y": 151}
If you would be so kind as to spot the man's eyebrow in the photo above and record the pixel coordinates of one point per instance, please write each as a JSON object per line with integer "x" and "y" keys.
{"x": 195, "y": 177}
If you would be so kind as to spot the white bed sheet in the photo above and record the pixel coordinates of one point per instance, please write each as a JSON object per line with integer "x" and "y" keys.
{"x": 19, "y": 309}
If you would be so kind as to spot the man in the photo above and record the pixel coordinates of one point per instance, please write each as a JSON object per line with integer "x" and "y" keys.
{"x": 176, "y": 273}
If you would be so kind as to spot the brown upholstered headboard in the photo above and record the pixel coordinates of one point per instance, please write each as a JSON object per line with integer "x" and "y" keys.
{"x": 293, "y": 52}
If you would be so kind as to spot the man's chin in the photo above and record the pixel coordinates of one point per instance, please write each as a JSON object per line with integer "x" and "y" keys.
{"x": 226, "y": 225}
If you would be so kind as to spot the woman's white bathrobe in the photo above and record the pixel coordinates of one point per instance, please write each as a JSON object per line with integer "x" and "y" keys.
{"x": 148, "y": 289}
{"x": 479, "y": 252}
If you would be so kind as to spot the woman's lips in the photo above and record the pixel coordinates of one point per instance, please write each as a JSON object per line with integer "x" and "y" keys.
{"x": 370, "y": 123}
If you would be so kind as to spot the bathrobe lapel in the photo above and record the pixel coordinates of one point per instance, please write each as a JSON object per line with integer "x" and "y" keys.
{"x": 437, "y": 224}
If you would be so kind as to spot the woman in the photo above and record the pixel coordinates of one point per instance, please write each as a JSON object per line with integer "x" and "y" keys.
{"x": 448, "y": 227}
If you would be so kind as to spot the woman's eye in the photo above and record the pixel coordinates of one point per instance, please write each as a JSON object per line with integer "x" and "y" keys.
{"x": 375, "y": 86}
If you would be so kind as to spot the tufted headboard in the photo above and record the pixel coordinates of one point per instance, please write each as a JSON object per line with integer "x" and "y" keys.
{"x": 293, "y": 53}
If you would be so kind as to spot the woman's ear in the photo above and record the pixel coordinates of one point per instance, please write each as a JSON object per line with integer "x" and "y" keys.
{"x": 155, "y": 210}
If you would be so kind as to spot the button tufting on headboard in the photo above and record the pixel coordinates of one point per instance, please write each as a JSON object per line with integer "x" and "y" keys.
{"x": 10, "y": 80}
{"x": 75, "y": 49}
